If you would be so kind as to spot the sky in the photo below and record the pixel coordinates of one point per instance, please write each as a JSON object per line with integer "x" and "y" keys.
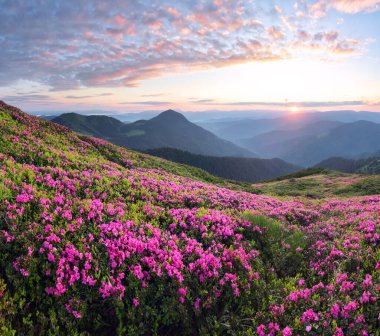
{"x": 196, "y": 55}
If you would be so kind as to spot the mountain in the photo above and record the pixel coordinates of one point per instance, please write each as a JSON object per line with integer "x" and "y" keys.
{"x": 240, "y": 129}
{"x": 246, "y": 128}
{"x": 98, "y": 126}
{"x": 346, "y": 140}
{"x": 168, "y": 129}
{"x": 369, "y": 165}
{"x": 240, "y": 169}
{"x": 312, "y": 143}
{"x": 278, "y": 142}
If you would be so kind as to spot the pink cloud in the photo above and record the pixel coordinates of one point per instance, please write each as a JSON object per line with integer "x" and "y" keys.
{"x": 321, "y": 7}
{"x": 120, "y": 20}
{"x": 111, "y": 45}
{"x": 303, "y": 35}
{"x": 275, "y": 33}
{"x": 124, "y": 25}
{"x": 199, "y": 18}
{"x": 331, "y": 36}
{"x": 355, "y": 6}
{"x": 173, "y": 12}
{"x": 347, "y": 47}
{"x": 89, "y": 36}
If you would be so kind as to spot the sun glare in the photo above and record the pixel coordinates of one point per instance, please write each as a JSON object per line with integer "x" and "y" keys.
{"x": 294, "y": 109}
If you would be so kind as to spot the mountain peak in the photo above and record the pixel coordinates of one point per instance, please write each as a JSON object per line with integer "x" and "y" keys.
{"x": 170, "y": 115}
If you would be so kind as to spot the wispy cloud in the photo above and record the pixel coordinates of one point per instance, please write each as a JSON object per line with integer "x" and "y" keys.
{"x": 152, "y": 95}
{"x": 26, "y": 98}
{"x": 203, "y": 101}
{"x": 285, "y": 104}
{"x": 88, "y": 96}
{"x": 146, "y": 103}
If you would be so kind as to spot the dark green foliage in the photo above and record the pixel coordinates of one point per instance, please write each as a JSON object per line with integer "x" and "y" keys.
{"x": 241, "y": 169}
{"x": 368, "y": 186}
{"x": 302, "y": 173}
{"x": 369, "y": 165}
{"x": 281, "y": 247}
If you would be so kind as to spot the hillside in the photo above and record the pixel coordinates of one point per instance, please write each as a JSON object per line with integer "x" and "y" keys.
{"x": 168, "y": 129}
{"x": 240, "y": 169}
{"x": 96, "y": 241}
{"x": 320, "y": 183}
{"x": 94, "y": 125}
{"x": 369, "y": 165}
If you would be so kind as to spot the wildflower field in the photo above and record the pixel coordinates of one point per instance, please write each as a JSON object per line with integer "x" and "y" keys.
{"x": 94, "y": 240}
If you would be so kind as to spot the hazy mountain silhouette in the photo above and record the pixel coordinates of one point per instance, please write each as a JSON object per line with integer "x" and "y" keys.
{"x": 276, "y": 143}
{"x": 347, "y": 140}
{"x": 168, "y": 129}
{"x": 250, "y": 127}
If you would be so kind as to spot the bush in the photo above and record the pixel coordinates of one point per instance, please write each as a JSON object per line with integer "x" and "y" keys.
{"x": 281, "y": 248}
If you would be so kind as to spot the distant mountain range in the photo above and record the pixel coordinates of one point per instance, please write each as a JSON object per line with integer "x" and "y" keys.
{"x": 246, "y": 128}
{"x": 277, "y": 143}
{"x": 168, "y": 129}
{"x": 347, "y": 140}
{"x": 239, "y": 169}
{"x": 317, "y": 141}
{"x": 302, "y": 140}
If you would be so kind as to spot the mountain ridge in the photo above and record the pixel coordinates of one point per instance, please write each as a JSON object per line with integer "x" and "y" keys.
{"x": 240, "y": 169}
{"x": 168, "y": 129}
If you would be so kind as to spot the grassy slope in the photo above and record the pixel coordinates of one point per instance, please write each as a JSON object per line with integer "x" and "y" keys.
{"x": 320, "y": 183}
{"x": 309, "y": 182}
{"x": 98, "y": 148}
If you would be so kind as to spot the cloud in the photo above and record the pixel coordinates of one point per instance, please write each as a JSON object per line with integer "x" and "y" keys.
{"x": 321, "y": 7}
{"x": 287, "y": 104}
{"x": 330, "y": 103}
{"x": 346, "y": 47}
{"x": 328, "y": 43}
{"x": 355, "y": 6}
{"x": 152, "y": 95}
{"x": 146, "y": 103}
{"x": 275, "y": 33}
{"x": 89, "y": 96}
{"x": 73, "y": 45}
{"x": 26, "y": 98}
{"x": 204, "y": 101}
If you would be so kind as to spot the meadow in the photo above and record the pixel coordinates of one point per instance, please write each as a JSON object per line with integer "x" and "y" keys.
{"x": 100, "y": 240}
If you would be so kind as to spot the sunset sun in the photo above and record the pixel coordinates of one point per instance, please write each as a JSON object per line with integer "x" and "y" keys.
{"x": 294, "y": 109}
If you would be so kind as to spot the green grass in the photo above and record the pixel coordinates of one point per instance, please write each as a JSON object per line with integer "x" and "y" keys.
{"x": 320, "y": 183}
{"x": 367, "y": 186}
{"x": 303, "y": 173}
